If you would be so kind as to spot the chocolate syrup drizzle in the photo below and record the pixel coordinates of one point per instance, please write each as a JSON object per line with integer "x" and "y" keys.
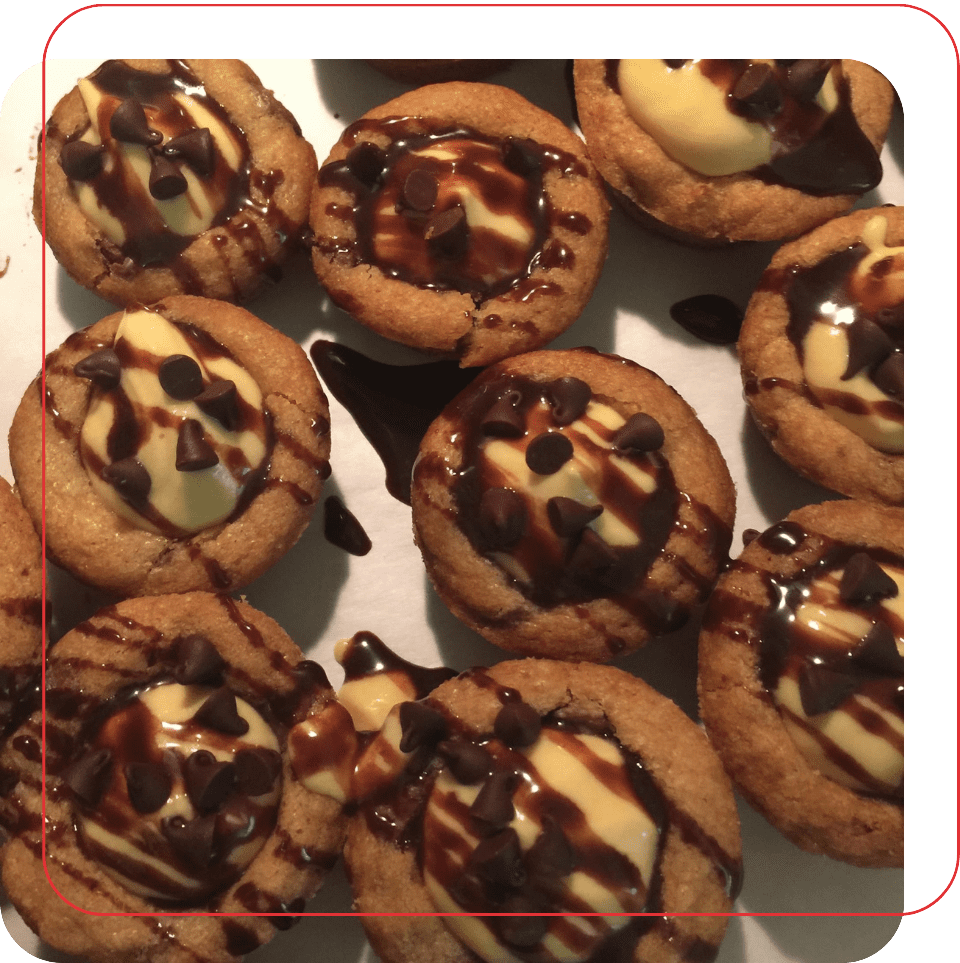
{"x": 470, "y": 260}
{"x": 815, "y": 152}
{"x": 396, "y": 812}
{"x": 770, "y": 629}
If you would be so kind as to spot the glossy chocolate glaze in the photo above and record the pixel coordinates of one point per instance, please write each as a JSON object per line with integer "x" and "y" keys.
{"x": 783, "y": 646}
{"x": 393, "y": 405}
{"x": 818, "y": 153}
{"x": 505, "y": 176}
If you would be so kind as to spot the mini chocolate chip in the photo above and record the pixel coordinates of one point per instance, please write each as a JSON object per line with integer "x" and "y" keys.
{"x": 198, "y": 660}
{"x": 180, "y": 377}
{"x": 342, "y": 528}
{"x": 521, "y": 156}
{"x": 219, "y": 401}
{"x": 193, "y": 840}
{"x": 522, "y": 931}
{"x": 568, "y": 398}
{"x": 551, "y": 856}
{"x": 90, "y": 775}
{"x": 868, "y": 344}
{"x": 129, "y": 123}
{"x": 419, "y": 191}
{"x": 806, "y": 77}
{"x": 888, "y": 376}
{"x": 569, "y": 517}
{"x": 548, "y": 453}
{"x": 890, "y": 318}
{"x": 748, "y": 535}
{"x": 166, "y": 179}
{"x": 366, "y": 162}
{"x": 8, "y": 781}
{"x": 130, "y": 480}
{"x": 709, "y": 317}
{"x": 593, "y": 556}
{"x": 421, "y": 725}
{"x": 80, "y": 160}
{"x": 503, "y": 418}
{"x": 283, "y": 923}
{"x": 219, "y": 712}
{"x": 194, "y": 452}
{"x": 756, "y": 93}
{"x": 501, "y": 518}
{"x": 468, "y": 762}
{"x": 864, "y": 581}
{"x": 257, "y": 770}
{"x": 823, "y": 689}
{"x": 196, "y": 148}
{"x": 517, "y": 725}
{"x": 310, "y": 675}
{"x": 498, "y": 860}
{"x": 493, "y": 806}
{"x": 148, "y": 785}
{"x": 102, "y": 368}
{"x": 209, "y": 782}
{"x": 674, "y": 64}
{"x": 234, "y": 821}
{"x": 879, "y": 652}
{"x": 447, "y": 232}
{"x": 638, "y": 434}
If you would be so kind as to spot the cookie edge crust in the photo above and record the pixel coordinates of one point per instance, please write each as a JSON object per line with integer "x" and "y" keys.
{"x": 802, "y": 433}
{"x": 151, "y": 564}
{"x": 695, "y": 778}
{"x": 447, "y": 322}
{"x": 747, "y": 731}
{"x": 481, "y": 595}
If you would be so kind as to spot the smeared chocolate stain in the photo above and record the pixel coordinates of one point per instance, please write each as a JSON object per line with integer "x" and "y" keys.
{"x": 343, "y": 529}
{"x": 393, "y": 405}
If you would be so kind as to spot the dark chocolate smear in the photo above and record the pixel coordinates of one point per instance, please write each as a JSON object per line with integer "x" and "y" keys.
{"x": 709, "y": 317}
{"x": 342, "y": 528}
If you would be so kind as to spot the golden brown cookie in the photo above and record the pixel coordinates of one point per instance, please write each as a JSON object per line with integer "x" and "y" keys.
{"x": 170, "y": 177}
{"x": 21, "y": 643}
{"x": 438, "y": 71}
{"x": 801, "y": 678}
{"x": 821, "y": 354}
{"x": 171, "y": 784}
{"x": 734, "y": 150}
{"x": 460, "y": 219}
{"x": 539, "y": 787}
{"x": 569, "y": 504}
{"x": 186, "y": 447}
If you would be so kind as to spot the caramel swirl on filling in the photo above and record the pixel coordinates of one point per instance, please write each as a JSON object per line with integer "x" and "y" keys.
{"x": 788, "y": 121}
{"x": 449, "y": 209}
{"x": 175, "y": 463}
{"x": 178, "y": 791}
{"x": 846, "y": 322}
{"x": 160, "y": 162}
{"x": 832, "y": 659}
{"x": 570, "y": 499}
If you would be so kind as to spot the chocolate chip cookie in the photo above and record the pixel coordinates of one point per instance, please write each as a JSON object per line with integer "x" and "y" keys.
{"x": 570, "y": 504}
{"x": 801, "y": 678}
{"x": 821, "y": 354}
{"x": 161, "y": 177}
{"x": 174, "y": 784}
{"x": 462, "y": 220}
{"x": 540, "y": 787}
{"x": 186, "y": 447}
{"x": 734, "y": 150}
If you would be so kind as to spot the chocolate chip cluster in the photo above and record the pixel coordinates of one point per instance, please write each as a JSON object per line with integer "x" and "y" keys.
{"x": 83, "y": 161}
{"x": 761, "y": 91}
{"x": 826, "y": 679}
{"x": 876, "y": 346}
{"x": 498, "y": 874}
